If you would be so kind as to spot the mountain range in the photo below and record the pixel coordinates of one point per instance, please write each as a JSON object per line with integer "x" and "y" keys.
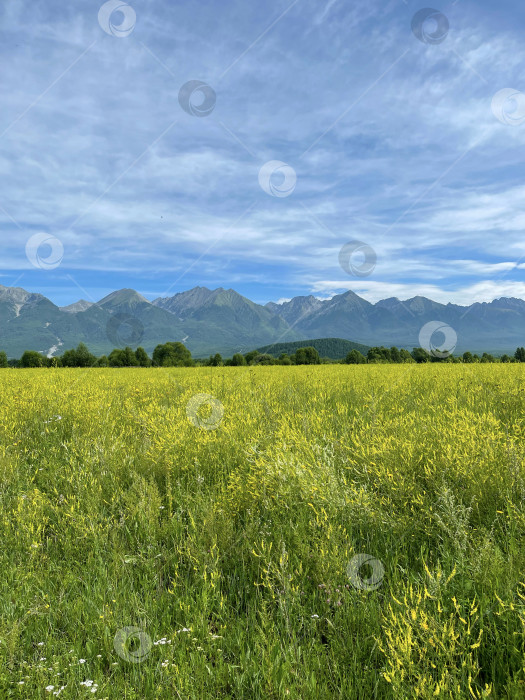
{"x": 221, "y": 320}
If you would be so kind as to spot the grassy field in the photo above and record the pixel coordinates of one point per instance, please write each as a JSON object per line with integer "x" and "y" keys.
{"x": 315, "y": 532}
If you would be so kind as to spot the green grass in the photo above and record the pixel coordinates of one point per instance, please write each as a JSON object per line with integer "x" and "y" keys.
{"x": 118, "y": 510}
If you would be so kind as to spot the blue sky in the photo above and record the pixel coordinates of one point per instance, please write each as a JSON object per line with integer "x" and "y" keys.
{"x": 389, "y": 140}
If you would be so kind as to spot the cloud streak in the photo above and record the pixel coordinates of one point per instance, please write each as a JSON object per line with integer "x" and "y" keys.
{"x": 87, "y": 119}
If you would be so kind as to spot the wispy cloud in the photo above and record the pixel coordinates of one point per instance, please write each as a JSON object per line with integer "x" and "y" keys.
{"x": 78, "y": 122}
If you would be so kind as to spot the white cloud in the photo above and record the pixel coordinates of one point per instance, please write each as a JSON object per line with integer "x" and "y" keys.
{"x": 483, "y": 291}
{"x": 402, "y": 146}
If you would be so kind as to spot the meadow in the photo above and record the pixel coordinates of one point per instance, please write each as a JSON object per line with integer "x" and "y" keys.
{"x": 333, "y": 531}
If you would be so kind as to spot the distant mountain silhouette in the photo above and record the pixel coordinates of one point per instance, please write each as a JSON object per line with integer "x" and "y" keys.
{"x": 222, "y": 320}
{"x": 333, "y": 348}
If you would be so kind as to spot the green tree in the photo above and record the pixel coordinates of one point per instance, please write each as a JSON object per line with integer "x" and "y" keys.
{"x": 142, "y": 358}
{"x": 102, "y": 361}
{"x": 264, "y": 359}
{"x": 238, "y": 360}
{"x": 355, "y": 357}
{"x": 250, "y": 356}
{"x": 519, "y": 355}
{"x": 215, "y": 360}
{"x": 172, "y": 355}
{"x": 31, "y": 358}
{"x": 69, "y": 358}
{"x": 128, "y": 358}
{"x": 84, "y": 357}
{"x": 307, "y": 356}
{"x": 445, "y": 357}
{"x": 486, "y": 357}
{"x": 79, "y": 357}
{"x": 405, "y": 356}
{"x": 420, "y": 355}
{"x": 379, "y": 354}
{"x": 395, "y": 355}
{"x": 3, "y": 359}
{"x": 115, "y": 358}
{"x": 505, "y": 358}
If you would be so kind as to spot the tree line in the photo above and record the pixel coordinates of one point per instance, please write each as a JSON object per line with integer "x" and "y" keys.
{"x": 171, "y": 354}
{"x": 175, "y": 354}
{"x": 394, "y": 355}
